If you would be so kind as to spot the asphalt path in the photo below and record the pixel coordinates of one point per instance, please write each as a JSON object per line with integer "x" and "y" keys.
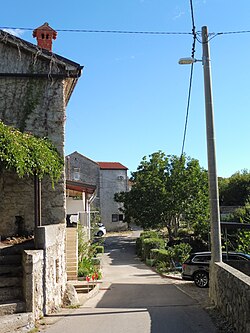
{"x": 134, "y": 299}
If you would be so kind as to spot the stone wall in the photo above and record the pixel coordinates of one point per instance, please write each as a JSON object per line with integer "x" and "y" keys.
{"x": 36, "y": 105}
{"x": 33, "y": 266}
{"x": 230, "y": 292}
{"x": 45, "y": 277}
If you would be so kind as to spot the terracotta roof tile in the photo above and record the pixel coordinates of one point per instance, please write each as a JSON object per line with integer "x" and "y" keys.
{"x": 112, "y": 166}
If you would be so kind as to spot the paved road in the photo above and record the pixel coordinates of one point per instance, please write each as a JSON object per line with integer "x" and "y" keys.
{"x": 134, "y": 299}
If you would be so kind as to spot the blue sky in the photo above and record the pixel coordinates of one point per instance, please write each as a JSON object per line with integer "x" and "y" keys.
{"x": 132, "y": 96}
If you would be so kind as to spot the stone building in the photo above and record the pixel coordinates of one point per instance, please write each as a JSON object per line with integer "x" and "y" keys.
{"x": 35, "y": 87}
{"x": 109, "y": 178}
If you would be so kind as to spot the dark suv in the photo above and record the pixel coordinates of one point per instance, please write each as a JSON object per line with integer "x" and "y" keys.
{"x": 196, "y": 267}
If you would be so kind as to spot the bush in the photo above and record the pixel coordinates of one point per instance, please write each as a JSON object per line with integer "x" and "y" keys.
{"x": 99, "y": 249}
{"x": 149, "y": 234}
{"x": 162, "y": 267}
{"x": 160, "y": 255}
{"x": 95, "y": 261}
{"x": 138, "y": 247}
{"x": 151, "y": 243}
{"x": 88, "y": 267}
{"x": 145, "y": 235}
{"x": 180, "y": 252}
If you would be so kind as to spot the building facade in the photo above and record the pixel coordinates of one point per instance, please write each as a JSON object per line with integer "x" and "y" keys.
{"x": 35, "y": 87}
{"x": 109, "y": 178}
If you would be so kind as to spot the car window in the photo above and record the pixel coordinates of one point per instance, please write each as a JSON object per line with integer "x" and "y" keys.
{"x": 236, "y": 257}
{"x": 201, "y": 258}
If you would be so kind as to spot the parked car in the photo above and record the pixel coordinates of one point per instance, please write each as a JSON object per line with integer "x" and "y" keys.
{"x": 101, "y": 230}
{"x": 196, "y": 267}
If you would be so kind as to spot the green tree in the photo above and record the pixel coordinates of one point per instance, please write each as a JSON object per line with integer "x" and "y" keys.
{"x": 235, "y": 191}
{"x": 166, "y": 189}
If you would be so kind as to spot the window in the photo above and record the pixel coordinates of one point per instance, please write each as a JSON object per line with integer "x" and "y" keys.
{"x": 76, "y": 174}
{"x": 200, "y": 258}
{"x": 117, "y": 217}
{"x": 114, "y": 217}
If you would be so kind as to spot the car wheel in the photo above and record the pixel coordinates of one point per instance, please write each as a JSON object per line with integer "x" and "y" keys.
{"x": 201, "y": 279}
{"x": 100, "y": 233}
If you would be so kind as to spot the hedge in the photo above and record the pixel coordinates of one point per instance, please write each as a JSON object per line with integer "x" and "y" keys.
{"x": 151, "y": 243}
{"x": 144, "y": 235}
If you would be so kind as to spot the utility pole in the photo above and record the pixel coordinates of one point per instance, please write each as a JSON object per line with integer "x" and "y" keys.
{"x": 211, "y": 156}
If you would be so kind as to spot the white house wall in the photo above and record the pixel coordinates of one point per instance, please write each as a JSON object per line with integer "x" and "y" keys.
{"x": 74, "y": 206}
{"x": 111, "y": 182}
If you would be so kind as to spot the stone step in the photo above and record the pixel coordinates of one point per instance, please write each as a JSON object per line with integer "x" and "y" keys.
{"x": 84, "y": 288}
{"x": 11, "y": 259}
{"x": 71, "y": 262}
{"x": 71, "y": 253}
{"x": 10, "y": 281}
{"x": 10, "y": 270}
{"x": 71, "y": 271}
{"x": 20, "y": 322}
{"x": 71, "y": 277}
{"x": 17, "y": 248}
{"x": 9, "y": 293}
{"x": 12, "y": 306}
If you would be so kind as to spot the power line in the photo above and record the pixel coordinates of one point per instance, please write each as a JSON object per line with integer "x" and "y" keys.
{"x": 187, "y": 111}
{"x": 214, "y": 34}
{"x": 107, "y": 31}
{"x": 191, "y": 77}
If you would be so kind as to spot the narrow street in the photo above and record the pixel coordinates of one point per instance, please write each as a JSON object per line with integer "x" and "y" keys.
{"x": 133, "y": 299}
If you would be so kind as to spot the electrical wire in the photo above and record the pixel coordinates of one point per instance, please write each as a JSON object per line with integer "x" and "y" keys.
{"x": 214, "y": 34}
{"x": 190, "y": 79}
{"x": 107, "y": 31}
{"x": 187, "y": 111}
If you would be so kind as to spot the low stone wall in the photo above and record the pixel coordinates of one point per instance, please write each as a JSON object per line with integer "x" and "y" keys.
{"x": 45, "y": 271}
{"x": 230, "y": 292}
{"x": 33, "y": 265}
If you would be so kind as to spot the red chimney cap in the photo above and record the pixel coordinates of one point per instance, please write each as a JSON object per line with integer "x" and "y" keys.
{"x": 44, "y": 35}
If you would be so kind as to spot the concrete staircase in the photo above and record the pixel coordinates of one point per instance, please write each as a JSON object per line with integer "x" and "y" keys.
{"x": 84, "y": 287}
{"x": 11, "y": 281}
{"x": 72, "y": 253}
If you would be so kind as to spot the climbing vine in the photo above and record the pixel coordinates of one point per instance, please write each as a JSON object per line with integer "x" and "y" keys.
{"x": 29, "y": 155}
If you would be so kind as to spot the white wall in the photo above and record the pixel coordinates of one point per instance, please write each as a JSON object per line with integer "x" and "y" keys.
{"x": 111, "y": 182}
{"x": 74, "y": 206}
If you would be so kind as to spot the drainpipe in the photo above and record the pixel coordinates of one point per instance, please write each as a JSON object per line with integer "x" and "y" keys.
{"x": 89, "y": 201}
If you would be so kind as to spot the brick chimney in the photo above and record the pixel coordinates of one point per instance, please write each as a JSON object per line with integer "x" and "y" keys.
{"x": 44, "y": 35}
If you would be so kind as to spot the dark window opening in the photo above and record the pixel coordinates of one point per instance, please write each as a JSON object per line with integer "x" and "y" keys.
{"x": 43, "y": 36}
{"x": 117, "y": 217}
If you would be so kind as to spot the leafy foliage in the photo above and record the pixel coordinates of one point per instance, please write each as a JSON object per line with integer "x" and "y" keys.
{"x": 235, "y": 191}
{"x": 29, "y": 155}
{"x": 151, "y": 243}
{"x": 166, "y": 189}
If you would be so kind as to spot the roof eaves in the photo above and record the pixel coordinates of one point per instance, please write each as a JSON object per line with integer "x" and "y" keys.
{"x": 6, "y": 37}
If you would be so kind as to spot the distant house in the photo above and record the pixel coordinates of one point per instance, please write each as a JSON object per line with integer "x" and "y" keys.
{"x": 35, "y": 87}
{"x": 109, "y": 178}
{"x": 79, "y": 197}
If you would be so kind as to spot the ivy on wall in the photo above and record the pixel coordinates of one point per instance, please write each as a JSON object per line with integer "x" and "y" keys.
{"x": 29, "y": 155}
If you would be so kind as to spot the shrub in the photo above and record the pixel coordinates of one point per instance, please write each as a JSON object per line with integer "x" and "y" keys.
{"x": 95, "y": 261}
{"x": 87, "y": 267}
{"x": 145, "y": 235}
{"x": 151, "y": 243}
{"x": 138, "y": 247}
{"x": 162, "y": 267}
{"x": 180, "y": 252}
{"x": 149, "y": 234}
{"x": 99, "y": 249}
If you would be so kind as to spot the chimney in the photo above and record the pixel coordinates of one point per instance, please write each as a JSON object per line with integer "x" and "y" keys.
{"x": 44, "y": 35}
